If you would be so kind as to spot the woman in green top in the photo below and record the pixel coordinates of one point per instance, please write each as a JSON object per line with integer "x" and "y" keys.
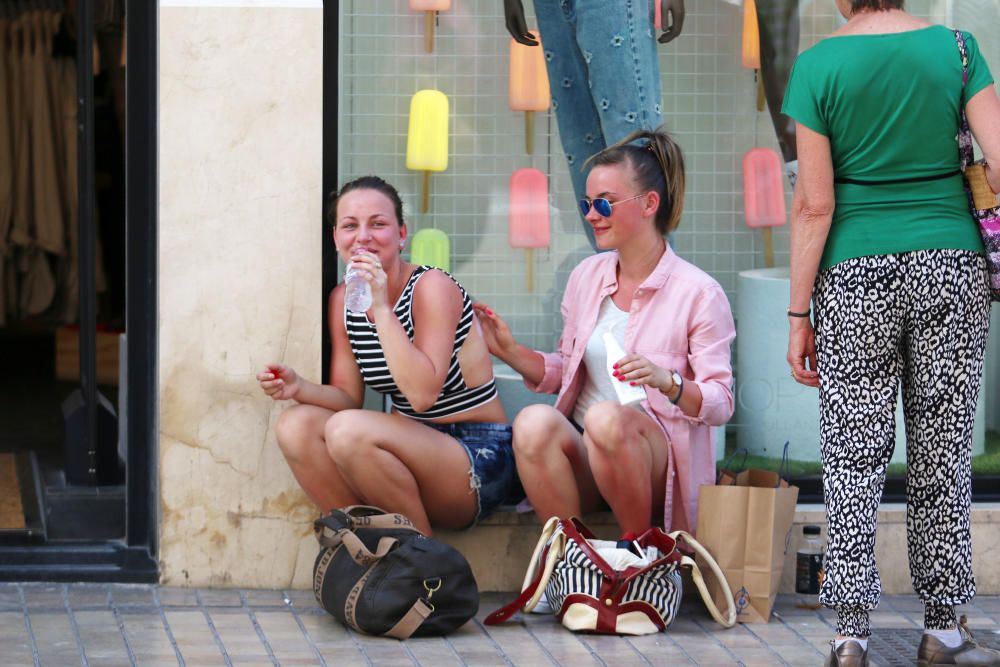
{"x": 883, "y": 242}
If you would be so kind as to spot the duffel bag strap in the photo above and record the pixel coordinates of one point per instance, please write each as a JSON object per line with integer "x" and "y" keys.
{"x": 361, "y": 554}
{"x": 367, "y": 516}
{"x": 729, "y": 620}
{"x": 329, "y": 529}
{"x": 411, "y": 620}
{"x": 417, "y": 614}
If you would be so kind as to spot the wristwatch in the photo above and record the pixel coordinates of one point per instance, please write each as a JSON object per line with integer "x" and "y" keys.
{"x": 678, "y": 381}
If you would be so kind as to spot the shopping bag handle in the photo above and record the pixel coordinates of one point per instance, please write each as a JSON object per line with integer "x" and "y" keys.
{"x": 729, "y": 620}
{"x": 724, "y": 467}
{"x": 783, "y": 468}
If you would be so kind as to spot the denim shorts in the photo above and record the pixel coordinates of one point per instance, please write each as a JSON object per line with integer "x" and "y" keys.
{"x": 491, "y": 461}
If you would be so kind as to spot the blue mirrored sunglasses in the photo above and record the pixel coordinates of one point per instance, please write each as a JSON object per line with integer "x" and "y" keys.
{"x": 601, "y": 205}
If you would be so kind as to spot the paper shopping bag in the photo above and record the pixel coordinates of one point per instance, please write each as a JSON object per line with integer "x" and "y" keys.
{"x": 745, "y": 521}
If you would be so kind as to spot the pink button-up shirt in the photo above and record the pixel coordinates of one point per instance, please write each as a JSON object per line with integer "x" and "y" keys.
{"x": 680, "y": 320}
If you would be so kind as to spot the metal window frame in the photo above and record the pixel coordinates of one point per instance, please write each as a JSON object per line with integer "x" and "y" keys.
{"x": 331, "y": 69}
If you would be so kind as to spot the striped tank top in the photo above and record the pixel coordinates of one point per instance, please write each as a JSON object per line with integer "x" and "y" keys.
{"x": 455, "y": 396}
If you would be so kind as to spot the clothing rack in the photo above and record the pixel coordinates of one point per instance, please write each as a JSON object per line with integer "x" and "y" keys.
{"x": 12, "y": 8}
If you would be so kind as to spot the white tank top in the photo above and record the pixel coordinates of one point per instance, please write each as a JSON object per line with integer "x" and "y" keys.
{"x": 597, "y": 387}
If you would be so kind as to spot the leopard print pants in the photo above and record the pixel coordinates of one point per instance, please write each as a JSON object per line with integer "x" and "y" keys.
{"x": 921, "y": 319}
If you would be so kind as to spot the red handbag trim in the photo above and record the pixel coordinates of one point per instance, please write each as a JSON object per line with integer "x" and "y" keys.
{"x": 505, "y": 612}
{"x": 569, "y": 527}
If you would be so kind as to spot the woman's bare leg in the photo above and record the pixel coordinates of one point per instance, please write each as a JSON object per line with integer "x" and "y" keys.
{"x": 628, "y": 456}
{"x": 552, "y": 464}
{"x": 403, "y": 466}
{"x": 301, "y": 439}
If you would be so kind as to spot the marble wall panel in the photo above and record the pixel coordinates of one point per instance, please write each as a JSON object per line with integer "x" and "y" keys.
{"x": 240, "y": 228}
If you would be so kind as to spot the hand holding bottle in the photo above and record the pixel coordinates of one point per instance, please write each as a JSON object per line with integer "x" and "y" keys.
{"x": 365, "y": 282}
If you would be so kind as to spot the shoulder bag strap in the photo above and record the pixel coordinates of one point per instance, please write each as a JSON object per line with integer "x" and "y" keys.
{"x": 729, "y": 620}
{"x": 411, "y": 620}
{"x": 539, "y": 572}
{"x": 538, "y": 555}
{"x": 965, "y": 150}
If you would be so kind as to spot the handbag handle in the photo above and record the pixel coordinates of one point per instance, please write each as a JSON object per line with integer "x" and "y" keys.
{"x": 729, "y": 620}
{"x": 536, "y": 564}
{"x": 540, "y": 567}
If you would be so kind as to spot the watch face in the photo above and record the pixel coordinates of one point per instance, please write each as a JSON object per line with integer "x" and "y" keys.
{"x": 676, "y": 377}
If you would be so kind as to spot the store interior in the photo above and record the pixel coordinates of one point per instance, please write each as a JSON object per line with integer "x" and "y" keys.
{"x": 47, "y": 492}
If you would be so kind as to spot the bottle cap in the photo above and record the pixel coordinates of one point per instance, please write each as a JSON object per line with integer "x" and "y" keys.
{"x": 811, "y": 530}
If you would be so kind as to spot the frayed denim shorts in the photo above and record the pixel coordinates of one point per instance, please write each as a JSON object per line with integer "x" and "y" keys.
{"x": 492, "y": 472}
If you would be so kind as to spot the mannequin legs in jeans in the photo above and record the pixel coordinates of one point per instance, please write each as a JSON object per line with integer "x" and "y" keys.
{"x": 603, "y": 74}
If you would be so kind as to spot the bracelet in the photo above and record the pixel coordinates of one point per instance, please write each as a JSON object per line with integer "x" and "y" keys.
{"x": 791, "y": 313}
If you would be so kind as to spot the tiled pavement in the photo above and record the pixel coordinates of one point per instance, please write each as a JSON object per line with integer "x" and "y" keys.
{"x": 107, "y": 625}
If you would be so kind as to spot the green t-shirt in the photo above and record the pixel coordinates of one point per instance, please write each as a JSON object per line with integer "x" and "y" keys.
{"x": 889, "y": 105}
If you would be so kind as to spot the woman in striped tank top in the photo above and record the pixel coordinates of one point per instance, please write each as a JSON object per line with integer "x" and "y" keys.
{"x": 443, "y": 454}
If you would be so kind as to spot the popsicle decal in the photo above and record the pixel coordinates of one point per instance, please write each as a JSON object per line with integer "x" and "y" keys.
{"x": 427, "y": 138}
{"x": 763, "y": 195}
{"x": 528, "y": 89}
{"x": 430, "y": 9}
{"x": 528, "y": 222}
{"x": 431, "y": 247}
{"x": 750, "y": 53}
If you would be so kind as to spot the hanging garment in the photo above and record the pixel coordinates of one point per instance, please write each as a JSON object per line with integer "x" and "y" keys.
{"x": 38, "y": 285}
{"x": 6, "y": 143}
{"x": 20, "y": 230}
{"x": 48, "y": 231}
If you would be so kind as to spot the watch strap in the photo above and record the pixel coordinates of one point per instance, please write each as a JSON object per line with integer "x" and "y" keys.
{"x": 678, "y": 380}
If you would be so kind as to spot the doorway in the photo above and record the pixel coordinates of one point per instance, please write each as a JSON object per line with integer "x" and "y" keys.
{"x": 77, "y": 329}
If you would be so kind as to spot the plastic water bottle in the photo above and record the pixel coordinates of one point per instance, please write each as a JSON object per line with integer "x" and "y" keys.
{"x": 809, "y": 568}
{"x": 358, "y": 298}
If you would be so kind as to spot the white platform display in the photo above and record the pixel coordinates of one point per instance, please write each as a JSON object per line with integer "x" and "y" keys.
{"x": 771, "y": 407}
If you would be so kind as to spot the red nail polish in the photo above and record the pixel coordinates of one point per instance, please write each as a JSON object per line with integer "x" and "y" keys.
{"x": 632, "y": 383}
{"x": 615, "y": 366}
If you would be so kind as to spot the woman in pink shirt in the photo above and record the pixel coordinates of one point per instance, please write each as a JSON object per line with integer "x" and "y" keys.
{"x": 674, "y": 323}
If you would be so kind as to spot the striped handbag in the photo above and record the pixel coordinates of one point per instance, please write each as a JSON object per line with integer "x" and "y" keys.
{"x": 595, "y": 586}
